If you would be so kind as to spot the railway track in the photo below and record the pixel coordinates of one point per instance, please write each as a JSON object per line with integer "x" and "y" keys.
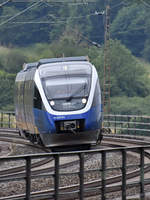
{"x": 113, "y": 182}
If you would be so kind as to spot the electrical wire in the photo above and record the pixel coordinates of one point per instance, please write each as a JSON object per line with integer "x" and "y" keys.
{"x": 56, "y": 1}
{"x": 72, "y": 4}
{"x": 41, "y": 1}
{"x": 47, "y": 22}
{"x": 86, "y": 38}
{"x": 3, "y": 4}
{"x": 20, "y": 13}
{"x": 64, "y": 20}
{"x": 145, "y": 3}
{"x": 39, "y": 22}
{"x": 117, "y": 5}
{"x": 4, "y": 16}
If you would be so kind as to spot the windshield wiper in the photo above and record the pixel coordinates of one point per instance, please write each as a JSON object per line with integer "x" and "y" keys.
{"x": 83, "y": 87}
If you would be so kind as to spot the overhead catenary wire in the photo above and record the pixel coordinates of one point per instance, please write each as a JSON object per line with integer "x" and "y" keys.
{"x": 40, "y": 22}
{"x": 64, "y": 20}
{"x": 117, "y": 5}
{"x": 145, "y": 3}
{"x": 4, "y": 3}
{"x": 58, "y": 21}
{"x": 20, "y": 13}
{"x": 5, "y": 16}
{"x": 88, "y": 40}
{"x": 72, "y": 4}
{"x": 55, "y": 1}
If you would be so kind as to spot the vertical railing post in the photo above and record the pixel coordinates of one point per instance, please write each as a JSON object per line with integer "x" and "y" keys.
{"x": 103, "y": 175}
{"x": 124, "y": 162}
{"x": 148, "y": 127}
{"x": 135, "y": 125}
{"x": 14, "y": 116}
{"x": 121, "y": 119}
{"x": 142, "y": 193}
{"x": 128, "y": 125}
{"x": 115, "y": 124}
{"x": 81, "y": 176}
{"x": 28, "y": 178}
{"x": 108, "y": 120}
{"x": 56, "y": 179}
{"x": 9, "y": 119}
{"x": 1, "y": 119}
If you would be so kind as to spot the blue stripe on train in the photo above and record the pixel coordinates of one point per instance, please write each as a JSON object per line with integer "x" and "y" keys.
{"x": 45, "y": 121}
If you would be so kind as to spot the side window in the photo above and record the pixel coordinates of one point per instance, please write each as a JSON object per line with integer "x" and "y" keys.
{"x": 97, "y": 95}
{"x": 37, "y": 99}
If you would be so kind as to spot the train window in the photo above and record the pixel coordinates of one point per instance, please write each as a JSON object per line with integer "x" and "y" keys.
{"x": 57, "y": 70}
{"x": 97, "y": 95}
{"x": 64, "y": 87}
{"x": 37, "y": 99}
{"x": 66, "y": 80}
{"x": 67, "y": 86}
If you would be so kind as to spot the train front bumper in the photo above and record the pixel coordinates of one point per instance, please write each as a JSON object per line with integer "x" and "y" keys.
{"x": 70, "y": 139}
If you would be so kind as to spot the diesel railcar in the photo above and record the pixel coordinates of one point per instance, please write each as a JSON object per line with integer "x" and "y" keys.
{"x": 58, "y": 102}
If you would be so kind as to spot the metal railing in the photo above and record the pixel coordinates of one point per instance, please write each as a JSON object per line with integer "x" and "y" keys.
{"x": 128, "y": 124}
{"x": 121, "y": 124}
{"x": 101, "y": 188}
{"x": 7, "y": 119}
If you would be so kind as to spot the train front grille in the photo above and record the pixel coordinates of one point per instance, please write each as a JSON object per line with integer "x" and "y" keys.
{"x": 68, "y": 126}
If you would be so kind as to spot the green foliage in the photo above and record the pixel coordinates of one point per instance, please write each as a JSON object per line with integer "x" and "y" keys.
{"x": 64, "y": 36}
{"x": 130, "y": 105}
{"x": 128, "y": 77}
{"x": 38, "y": 51}
{"x": 22, "y": 34}
{"x": 12, "y": 60}
{"x": 127, "y": 71}
{"x": 129, "y": 27}
{"x": 128, "y": 74}
{"x": 46, "y": 22}
{"x": 6, "y": 90}
{"x": 132, "y": 27}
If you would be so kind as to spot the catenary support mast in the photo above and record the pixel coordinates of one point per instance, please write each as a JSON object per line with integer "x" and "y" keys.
{"x": 107, "y": 85}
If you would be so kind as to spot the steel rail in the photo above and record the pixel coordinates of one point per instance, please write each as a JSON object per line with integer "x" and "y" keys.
{"x": 126, "y": 125}
{"x": 12, "y": 172}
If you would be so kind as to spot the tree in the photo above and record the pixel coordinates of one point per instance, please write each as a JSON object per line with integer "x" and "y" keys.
{"x": 19, "y": 31}
{"x": 6, "y": 90}
{"x": 129, "y": 27}
{"x": 13, "y": 60}
{"x": 130, "y": 105}
{"x": 128, "y": 78}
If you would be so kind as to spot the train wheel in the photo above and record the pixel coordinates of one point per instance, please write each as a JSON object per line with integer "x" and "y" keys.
{"x": 32, "y": 138}
{"x": 39, "y": 141}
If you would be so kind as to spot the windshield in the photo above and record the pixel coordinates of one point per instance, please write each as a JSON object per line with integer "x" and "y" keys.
{"x": 66, "y": 85}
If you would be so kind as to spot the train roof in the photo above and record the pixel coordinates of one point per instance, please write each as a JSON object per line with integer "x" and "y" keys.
{"x": 27, "y": 66}
{"x": 54, "y": 60}
{"x": 63, "y": 59}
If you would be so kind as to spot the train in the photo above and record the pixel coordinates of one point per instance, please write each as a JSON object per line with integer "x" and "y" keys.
{"x": 58, "y": 102}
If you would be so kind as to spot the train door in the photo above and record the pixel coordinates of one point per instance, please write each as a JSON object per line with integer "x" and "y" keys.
{"x": 20, "y": 114}
{"x": 31, "y": 103}
{"x": 28, "y": 100}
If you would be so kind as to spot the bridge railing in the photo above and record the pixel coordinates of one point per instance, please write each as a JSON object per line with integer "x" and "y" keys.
{"x": 104, "y": 171}
{"x": 7, "y": 119}
{"x": 118, "y": 124}
{"x": 128, "y": 124}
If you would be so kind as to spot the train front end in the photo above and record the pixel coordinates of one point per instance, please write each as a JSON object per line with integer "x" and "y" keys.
{"x": 71, "y": 96}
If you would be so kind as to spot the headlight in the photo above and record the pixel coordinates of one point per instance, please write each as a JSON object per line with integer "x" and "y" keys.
{"x": 84, "y": 101}
{"x": 52, "y": 103}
